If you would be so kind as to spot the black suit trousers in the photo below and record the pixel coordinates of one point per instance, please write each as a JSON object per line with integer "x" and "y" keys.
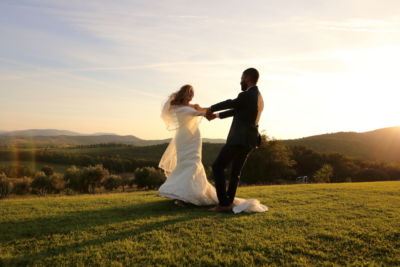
{"x": 229, "y": 154}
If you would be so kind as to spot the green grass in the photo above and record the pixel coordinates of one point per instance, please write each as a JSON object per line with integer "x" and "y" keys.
{"x": 307, "y": 225}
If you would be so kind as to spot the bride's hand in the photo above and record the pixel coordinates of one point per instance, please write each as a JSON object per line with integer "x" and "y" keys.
{"x": 196, "y": 106}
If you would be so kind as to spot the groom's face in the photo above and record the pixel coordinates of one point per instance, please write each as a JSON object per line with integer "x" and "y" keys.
{"x": 243, "y": 83}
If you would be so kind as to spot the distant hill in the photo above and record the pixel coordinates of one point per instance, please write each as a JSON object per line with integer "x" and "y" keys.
{"x": 382, "y": 144}
{"x": 68, "y": 138}
{"x": 41, "y": 132}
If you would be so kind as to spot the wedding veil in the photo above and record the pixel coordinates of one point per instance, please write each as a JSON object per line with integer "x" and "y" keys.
{"x": 169, "y": 158}
{"x": 169, "y": 116}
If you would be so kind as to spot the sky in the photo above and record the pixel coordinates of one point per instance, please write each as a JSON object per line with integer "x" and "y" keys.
{"x": 108, "y": 66}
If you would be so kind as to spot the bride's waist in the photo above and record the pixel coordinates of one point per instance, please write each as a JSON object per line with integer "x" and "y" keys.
{"x": 187, "y": 132}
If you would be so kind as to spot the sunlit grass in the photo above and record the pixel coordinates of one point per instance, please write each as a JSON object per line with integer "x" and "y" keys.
{"x": 319, "y": 224}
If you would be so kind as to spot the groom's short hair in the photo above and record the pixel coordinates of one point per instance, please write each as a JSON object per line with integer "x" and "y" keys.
{"x": 252, "y": 73}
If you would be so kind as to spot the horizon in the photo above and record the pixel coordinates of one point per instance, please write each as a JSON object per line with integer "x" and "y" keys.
{"x": 2, "y": 131}
{"x": 108, "y": 67}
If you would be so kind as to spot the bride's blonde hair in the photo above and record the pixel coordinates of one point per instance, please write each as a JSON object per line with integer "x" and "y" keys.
{"x": 179, "y": 96}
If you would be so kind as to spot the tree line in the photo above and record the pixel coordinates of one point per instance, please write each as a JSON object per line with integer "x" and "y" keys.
{"x": 90, "y": 179}
{"x": 272, "y": 163}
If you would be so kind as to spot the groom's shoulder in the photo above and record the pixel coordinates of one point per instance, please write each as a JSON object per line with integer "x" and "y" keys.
{"x": 250, "y": 91}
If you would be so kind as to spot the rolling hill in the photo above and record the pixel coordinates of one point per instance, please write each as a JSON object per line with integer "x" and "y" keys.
{"x": 382, "y": 144}
{"x": 39, "y": 132}
{"x": 55, "y": 137}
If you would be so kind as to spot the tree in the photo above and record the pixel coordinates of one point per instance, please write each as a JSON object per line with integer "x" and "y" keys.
{"x": 324, "y": 174}
{"x": 57, "y": 182}
{"x": 22, "y": 186}
{"x": 47, "y": 170}
{"x": 306, "y": 161}
{"x": 269, "y": 163}
{"x": 112, "y": 182}
{"x": 72, "y": 176}
{"x": 41, "y": 184}
{"x": 92, "y": 177}
{"x": 5, "y": 186}
{"x": 371, "y": 174}
{"x": 127, "y": 180}
{"x": 149, "y": 177}
{"x": 342, "y": 165}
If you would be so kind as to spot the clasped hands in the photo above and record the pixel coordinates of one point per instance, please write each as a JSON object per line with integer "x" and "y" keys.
{"x": 210, "y": 115}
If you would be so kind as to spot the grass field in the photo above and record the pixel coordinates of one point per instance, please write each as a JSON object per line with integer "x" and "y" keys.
{"x": 319, "y": 224}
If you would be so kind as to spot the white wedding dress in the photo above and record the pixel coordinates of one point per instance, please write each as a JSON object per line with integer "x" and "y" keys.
{"x": 181, "y": 162}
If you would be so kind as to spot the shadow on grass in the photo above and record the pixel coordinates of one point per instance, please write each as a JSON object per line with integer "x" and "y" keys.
{"x": 81, "y": 220}
{"x": 27, "y": 259}
{"x": 44, "y": 227}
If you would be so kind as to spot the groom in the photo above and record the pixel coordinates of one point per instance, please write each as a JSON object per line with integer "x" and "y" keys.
{"x": 243, "y": 136}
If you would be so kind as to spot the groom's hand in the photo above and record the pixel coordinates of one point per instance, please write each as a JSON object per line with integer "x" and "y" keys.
{"x": 210, "y": 115}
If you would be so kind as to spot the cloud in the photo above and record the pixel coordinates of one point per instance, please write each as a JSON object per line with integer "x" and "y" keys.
{"x": 363, "y": 25}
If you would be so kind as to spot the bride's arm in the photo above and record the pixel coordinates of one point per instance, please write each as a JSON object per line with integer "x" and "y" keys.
{"x": 198, "y": 108}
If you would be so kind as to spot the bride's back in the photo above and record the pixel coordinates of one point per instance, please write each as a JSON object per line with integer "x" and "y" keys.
{"x": 188, "y": 118}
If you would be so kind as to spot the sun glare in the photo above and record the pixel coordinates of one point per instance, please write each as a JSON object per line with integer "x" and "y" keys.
{"x": 372, "y": 80}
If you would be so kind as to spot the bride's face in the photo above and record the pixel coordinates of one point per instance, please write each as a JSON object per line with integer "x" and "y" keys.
{"x": 189, "y": 96}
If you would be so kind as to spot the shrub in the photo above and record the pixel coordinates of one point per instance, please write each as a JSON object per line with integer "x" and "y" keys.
{"x": 22, "y": 186}
{"x": 269, "y": 163}
{"x": 111, "y": 182}
{"x": 72, "y": 177}
{"x": 149, "y": 177}
{"x": 16, "y": 171}
{"x": 57, "y": 182}
{"x": 47, "y": 170}
{"x": 6, "y": 186}
{"x": 69, "y": 191}
{"x": 127, "y": 180}
{"x": 41, "y": 184}
{"x": 92, "y": 177}
{"x": 324, "y": 174}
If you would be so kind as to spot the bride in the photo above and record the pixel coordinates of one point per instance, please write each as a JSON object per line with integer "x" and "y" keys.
{"x": 186, "y": 179}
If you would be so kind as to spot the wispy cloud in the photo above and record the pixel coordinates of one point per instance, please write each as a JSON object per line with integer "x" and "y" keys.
{"x": 363, "y": 25}
{"x": 109, "y": 52}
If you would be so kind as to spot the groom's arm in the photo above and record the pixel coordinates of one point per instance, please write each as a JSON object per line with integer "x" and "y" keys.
{"x": 230, "y": 103}
{"x": 226, "y": 114}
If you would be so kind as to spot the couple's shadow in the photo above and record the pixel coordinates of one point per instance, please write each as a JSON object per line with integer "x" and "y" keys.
{"x": 145, "y": 217}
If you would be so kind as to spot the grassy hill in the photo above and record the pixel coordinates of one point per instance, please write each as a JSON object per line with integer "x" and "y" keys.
{"x": 307, "y": 225}
{"x": 381, "y": 144}
{"x": 378, "y": 145}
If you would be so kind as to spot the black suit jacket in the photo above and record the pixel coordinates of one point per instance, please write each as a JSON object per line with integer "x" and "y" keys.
{"x": 246, "y": 111}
